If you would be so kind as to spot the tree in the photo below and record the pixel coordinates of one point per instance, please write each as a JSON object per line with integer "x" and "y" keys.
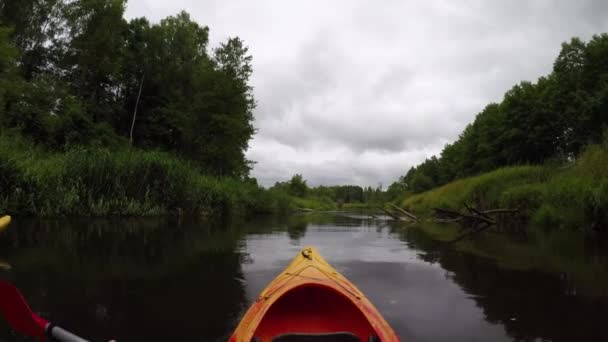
{"x": 554, "y": 117}
{"x": 297, "y": 186}
{"x": 8, "y": 56}
{"x": 37, "y": 26}
{"x": 396, "y": 190}
{"x": 93, "y": 58}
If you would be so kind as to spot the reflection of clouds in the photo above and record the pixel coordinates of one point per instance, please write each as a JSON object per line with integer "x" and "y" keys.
{"x": 356, "y": 242}
{"x": 413, "y": 295}
{"x": 343, "y": 79}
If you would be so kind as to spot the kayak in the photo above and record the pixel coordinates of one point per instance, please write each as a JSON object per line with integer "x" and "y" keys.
{"x": 4, "y": 221}
{"x": 310, "y": 301}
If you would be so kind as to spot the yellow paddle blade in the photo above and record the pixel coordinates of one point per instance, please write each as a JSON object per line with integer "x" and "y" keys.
{"x": 4, "y": 221}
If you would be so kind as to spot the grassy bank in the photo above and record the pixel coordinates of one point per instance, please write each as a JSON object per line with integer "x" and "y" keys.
{"x": 571, "y": 196}
{"x": 314, "y": 203}
{"x": 327, "y": 204}
{"x": 127, "y": 181}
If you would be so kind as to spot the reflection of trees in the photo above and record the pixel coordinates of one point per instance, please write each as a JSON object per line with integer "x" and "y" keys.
{"x": 296, "y": 228}
{"x": 528, "y": 304}
{"x": 138, "y": 280}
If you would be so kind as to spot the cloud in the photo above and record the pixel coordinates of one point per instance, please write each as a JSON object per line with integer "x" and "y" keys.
{"x": 358, "y": 91}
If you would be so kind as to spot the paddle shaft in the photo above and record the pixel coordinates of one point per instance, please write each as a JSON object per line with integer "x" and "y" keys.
{"x": 62, "y": 335}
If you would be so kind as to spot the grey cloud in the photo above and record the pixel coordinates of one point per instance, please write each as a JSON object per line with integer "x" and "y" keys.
{"x": 357, "y": 91}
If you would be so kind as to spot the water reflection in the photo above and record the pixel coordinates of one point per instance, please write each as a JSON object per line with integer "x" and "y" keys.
{"x": 529, "y": 304}
{"x": 178, "y": 279}
{"x": 137, "y": 280}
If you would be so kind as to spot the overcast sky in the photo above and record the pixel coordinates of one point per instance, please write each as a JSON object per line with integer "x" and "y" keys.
{"x": 356, "y": 92}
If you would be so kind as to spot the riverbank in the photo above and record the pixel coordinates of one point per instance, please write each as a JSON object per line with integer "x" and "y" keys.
{"x": 551, "y": 196}
{"x": 327, "y": 204}
{"x": 120, "y": 182}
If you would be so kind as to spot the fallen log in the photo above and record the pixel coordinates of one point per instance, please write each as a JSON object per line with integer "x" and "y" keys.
{"x": 404, "y": 212}
{"x": 464, "y": 219}
{"x": 477, "y": 212}
{"x": 394, "y": 216}
{"x": 387, "y": 212}
{"x": 475, "y": 221}
{"x": 500, "y": 211}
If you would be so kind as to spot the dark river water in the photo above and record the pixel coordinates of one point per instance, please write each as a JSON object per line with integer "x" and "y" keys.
{"x": 175, "y": 279}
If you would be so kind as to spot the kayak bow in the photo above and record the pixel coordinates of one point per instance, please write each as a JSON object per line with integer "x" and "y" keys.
{"x": 311, "y": 301}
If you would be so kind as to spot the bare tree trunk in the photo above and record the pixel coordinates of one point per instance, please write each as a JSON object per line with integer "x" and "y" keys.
{"x": 141, "y": 84}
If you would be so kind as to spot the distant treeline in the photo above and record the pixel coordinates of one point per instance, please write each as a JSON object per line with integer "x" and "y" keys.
{"x": 552, "y": 120}
{"x": 75, "y": 72}
{"x": 329, "y": 197}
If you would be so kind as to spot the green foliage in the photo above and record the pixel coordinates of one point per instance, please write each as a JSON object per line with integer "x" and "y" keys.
{"x": 489, "y": 190}
{"x": 97, "y": 181}
{"x": 8, "y": 55}
{"x": 550, "y": 120}
{"x": 328, "y": 197}
{"x": 71, "y": 74}
{"x": 574, "y": 196}
{"x": 315, "y": 203}
{"x": 35, "y": 24}
{"x": 396, "y": 191}
{"x": 297, "y": 186}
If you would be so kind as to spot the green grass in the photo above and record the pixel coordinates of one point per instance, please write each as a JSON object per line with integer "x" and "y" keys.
{"x": 358, "y": 205}
{"x": 572, "y": 196}
{"x": 314, "y": 203}
{"x": 503, "y": 186}
{"x": 127, "y": 181}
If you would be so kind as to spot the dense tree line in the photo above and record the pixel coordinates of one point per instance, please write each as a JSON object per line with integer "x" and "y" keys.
{"x": 552, "y": 119}
{"x": 75, "y": 72}
{"x": 298, "y": 187}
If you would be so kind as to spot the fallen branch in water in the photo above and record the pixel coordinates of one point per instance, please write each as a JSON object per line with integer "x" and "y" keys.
{"x": 465, "y": 219}
{"x": 500, "y": 211}
{"x": 395, "y": 216}
{"x": 477, "y": 212}
{"x": 389, "y": 213}
{"x": 404, "y": 212}
{"x": 475, "y": 220}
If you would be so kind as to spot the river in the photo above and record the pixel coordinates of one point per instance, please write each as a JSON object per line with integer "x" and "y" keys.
{"x": 171, "y": 279}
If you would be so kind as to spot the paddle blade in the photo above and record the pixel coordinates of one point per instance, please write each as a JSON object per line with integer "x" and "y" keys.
{"x": 18, "y": 314}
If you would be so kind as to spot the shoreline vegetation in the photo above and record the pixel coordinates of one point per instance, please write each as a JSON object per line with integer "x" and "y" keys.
{"x": 134, "y": 118}
{"x": 100, "y": 115}
{"x": 573, "y": 196}
{"x": 127, "y": 181}
{"x": 87, "y": 181}
{"x": 542, "y": 150}
{"x": 104, "y": 116}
